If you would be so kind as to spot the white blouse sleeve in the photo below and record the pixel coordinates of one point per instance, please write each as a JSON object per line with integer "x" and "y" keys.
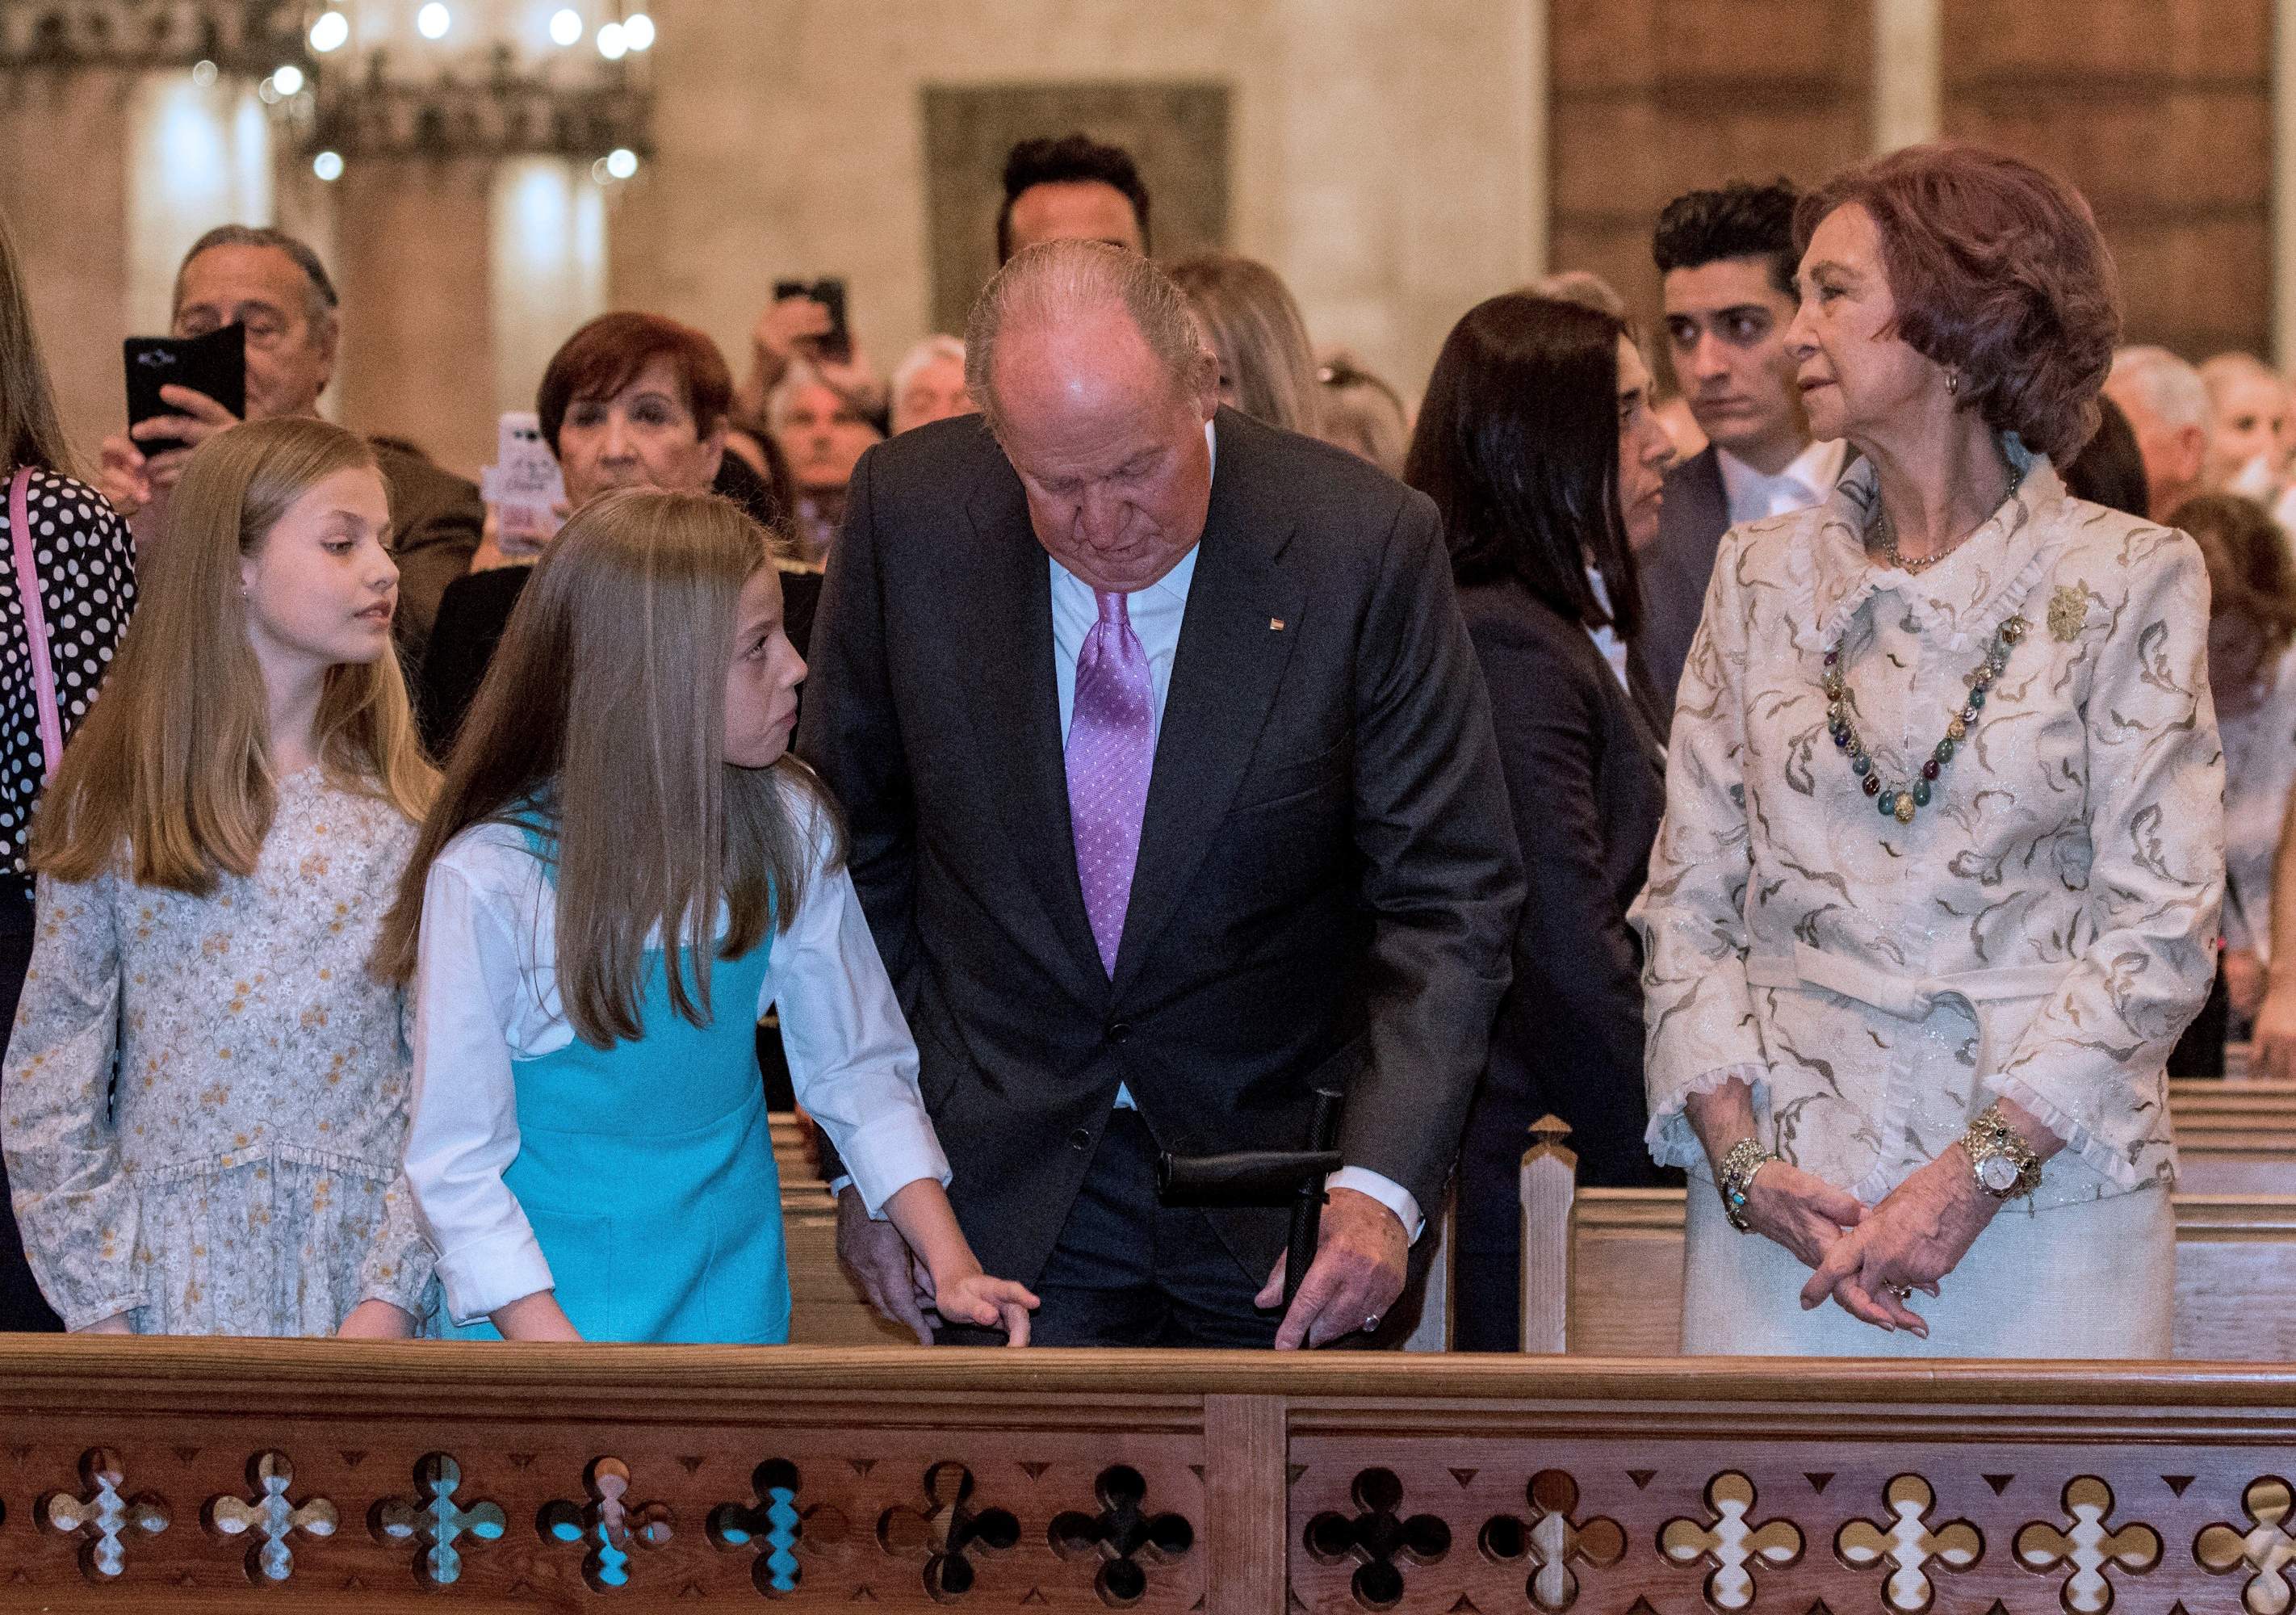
{"x": 852, "y": 1061}
{"x": 464, "y": 1131}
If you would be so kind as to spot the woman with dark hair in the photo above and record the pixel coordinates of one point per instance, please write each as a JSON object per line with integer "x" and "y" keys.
{"x": 1938, "y": 882}
{"x": 1537, "y": 441}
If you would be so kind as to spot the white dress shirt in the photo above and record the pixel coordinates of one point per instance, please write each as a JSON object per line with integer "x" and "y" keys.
{"x": 1807, "y": 480}
{"x": 487, "y": 995}
{"x": 1605, "y": 635}
{"x": 1156, "y": 613}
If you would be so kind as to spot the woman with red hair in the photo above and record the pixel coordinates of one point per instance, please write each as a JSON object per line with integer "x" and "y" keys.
{"x": 1936, "y": 885}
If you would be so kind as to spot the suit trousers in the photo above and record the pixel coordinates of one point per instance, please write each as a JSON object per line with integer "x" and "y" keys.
{"x": 1128, "y": 1271}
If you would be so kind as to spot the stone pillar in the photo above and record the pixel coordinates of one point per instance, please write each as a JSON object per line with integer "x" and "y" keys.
{"x": 1908, "y": 77}
{"x": 413, "y": 262}
{"x": 548, "y": 270}
{"x": 66, "y": 212}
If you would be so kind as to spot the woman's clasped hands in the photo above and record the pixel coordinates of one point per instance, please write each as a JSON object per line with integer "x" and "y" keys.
{"x": 1877, "y": 1259}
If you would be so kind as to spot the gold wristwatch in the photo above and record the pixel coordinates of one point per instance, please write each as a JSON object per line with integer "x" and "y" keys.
{"x": 2004, "y": 1165}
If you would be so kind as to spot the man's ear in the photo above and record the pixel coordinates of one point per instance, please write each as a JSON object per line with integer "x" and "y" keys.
{"x": 325, "y": 337}
{"x": 1204, "y": 384}
{"x": 2191, "y": 453}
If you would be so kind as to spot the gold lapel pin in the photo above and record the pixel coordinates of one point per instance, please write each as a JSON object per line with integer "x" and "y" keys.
{"x": 1275, "y": 625}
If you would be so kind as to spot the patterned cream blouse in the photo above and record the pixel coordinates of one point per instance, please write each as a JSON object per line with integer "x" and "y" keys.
{"x": 242, "y": 1176}
{"x": 2042, "y": 930}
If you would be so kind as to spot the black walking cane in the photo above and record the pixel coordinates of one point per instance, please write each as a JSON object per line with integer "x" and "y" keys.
{"x": 1265, "y": 1178}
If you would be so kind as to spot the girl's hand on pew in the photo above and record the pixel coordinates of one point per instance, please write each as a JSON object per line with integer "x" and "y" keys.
{"x": 117, "y": 1324}
{"x": 989, "y": 1303}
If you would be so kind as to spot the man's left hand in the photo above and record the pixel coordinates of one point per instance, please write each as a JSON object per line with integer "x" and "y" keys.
{"x": 1358, "y": 1271}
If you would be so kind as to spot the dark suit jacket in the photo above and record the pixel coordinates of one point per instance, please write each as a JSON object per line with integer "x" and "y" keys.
{"x": 1585, "y": 780}
{"x": 1326, "y": 879}
{"x": 1674, "y": 572}
{"x": 436, "y": 520}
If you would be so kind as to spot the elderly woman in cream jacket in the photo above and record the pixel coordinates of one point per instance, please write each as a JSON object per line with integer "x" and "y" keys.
{"x": 1938, "y": 881}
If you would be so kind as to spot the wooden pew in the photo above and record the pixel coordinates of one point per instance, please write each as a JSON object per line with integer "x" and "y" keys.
{"x": 1608, "y": 1266}
{"x": 138, "y": 1475}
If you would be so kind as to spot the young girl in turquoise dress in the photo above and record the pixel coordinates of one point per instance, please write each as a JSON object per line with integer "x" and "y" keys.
{"x": 205, "y": 1101}
{"x": 623, "y": 871}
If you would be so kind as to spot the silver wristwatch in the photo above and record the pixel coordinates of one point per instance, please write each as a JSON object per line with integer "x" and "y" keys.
{"x": 2004, "y": 1164}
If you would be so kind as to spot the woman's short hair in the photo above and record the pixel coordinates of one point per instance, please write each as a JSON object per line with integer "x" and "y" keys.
{"x": 1253, "y": 324}
{"x": 606, "y": 355}
{"x": 2110, "y": 469}
{"x": 1998, "y": 272}
{"x": 1518, "y": 445}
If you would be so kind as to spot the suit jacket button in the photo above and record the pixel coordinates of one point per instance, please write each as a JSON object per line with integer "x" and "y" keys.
{"x": 1119, "y": 1031}
{"x": 1081, "y": 1139}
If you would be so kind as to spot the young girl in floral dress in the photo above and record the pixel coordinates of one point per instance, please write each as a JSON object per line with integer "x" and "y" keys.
{"x": 205, "y": 1091}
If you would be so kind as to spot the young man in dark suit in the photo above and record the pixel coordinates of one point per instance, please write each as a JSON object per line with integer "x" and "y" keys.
{"x": 1728, "y": 258}
{"x": 1173, "y": 796}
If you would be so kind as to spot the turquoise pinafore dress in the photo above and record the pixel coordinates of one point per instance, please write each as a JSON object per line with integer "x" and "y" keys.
{"x": 647, "y": 1172}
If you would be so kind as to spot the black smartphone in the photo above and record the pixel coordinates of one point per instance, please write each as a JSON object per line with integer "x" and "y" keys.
{"x": 214, "y": 364}
{"x": 829, "y": 291}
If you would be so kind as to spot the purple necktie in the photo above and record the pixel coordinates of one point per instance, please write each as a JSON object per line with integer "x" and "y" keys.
{"x": 1111, "y": 747}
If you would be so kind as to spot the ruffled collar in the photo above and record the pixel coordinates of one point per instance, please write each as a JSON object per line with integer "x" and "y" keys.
{"x": 1964, "y": 597}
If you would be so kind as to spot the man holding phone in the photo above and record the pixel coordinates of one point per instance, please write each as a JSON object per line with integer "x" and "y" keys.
{"x": 275, "y": 286}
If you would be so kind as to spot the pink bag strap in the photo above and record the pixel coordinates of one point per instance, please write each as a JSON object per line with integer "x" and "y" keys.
{"x": 35, "y": 619}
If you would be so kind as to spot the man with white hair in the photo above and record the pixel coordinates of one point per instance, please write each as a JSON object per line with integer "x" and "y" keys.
{"x": 2168, "y": 407}
{"x": 929, "y": 384}
{"x": 1173, "y": 798}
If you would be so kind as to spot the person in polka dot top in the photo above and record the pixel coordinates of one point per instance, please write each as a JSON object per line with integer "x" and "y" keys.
{"x": 85, "y": 563}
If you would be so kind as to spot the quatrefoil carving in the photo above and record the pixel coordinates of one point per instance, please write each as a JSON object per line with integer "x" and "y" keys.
{"x": 1381, "y": 1538}
{"x": 436, "y": 1521}
{"x": 1909, "y": 1544}
{"x": 270, "y": 1518}
{"x": 2266, "y": 1549}
{"x": 2089, "y": 1548}
{"x": 607, "y": 1522}
{"x": 1122, "y": 1536}
{"x": 773, "y": 1524}
{"x": 948, "y": 1530}
{"x": 1731, "y": 1542}
{"x": 1554, "y": 1540}
{"x": 104, "y": 1518}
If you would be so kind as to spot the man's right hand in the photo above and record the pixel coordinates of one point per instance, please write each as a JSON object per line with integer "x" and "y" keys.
{"x": 128, "y": 479}
{"x": 876, "y": 1257}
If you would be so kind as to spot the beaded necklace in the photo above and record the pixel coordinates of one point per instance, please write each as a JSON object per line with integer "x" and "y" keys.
{"x": 1901, "y": 801}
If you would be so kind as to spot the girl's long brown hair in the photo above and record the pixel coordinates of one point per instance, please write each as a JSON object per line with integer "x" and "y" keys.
{"x": 605, "y": 706}
{"x": 172, "y": 767}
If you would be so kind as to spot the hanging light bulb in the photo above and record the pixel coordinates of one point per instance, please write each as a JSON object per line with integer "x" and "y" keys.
{"x": 638, "y": 30}
{"x": 288, "y": 81}
{"x": 566, "y": 26}
{"x": 621, "y": 162}
{"x": 611, "y": 42}
{"x": 330, "y": 32}
{"x": 433, "y": 20}
{"x": 328, "y": 166}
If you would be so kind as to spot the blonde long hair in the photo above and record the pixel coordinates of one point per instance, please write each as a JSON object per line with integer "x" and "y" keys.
{"x": 173, "y": 765}
{"x": 605, "y": 710}
{"x": 1253, "y": 324}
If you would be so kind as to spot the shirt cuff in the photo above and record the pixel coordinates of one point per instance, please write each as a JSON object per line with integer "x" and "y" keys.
{"x": 492, "y": 1272}
{"x": 1386, "y": 1191}
{"x": 891, "y": 1153}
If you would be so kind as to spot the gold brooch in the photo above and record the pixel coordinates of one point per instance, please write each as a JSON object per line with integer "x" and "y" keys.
{"x": 2069, "y": 612}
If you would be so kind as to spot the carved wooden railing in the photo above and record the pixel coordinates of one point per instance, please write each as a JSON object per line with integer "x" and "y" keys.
{"x": 185, "y": 1475}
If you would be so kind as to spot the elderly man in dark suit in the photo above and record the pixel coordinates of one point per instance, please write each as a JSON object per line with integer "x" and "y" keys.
{"x": 1173, "y": 796}
{"x": 1727, "y": 261}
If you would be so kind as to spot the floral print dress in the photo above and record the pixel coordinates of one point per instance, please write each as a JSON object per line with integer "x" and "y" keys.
{"x": 242, "y": 1175}
{"x": 2041, "y": 931}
